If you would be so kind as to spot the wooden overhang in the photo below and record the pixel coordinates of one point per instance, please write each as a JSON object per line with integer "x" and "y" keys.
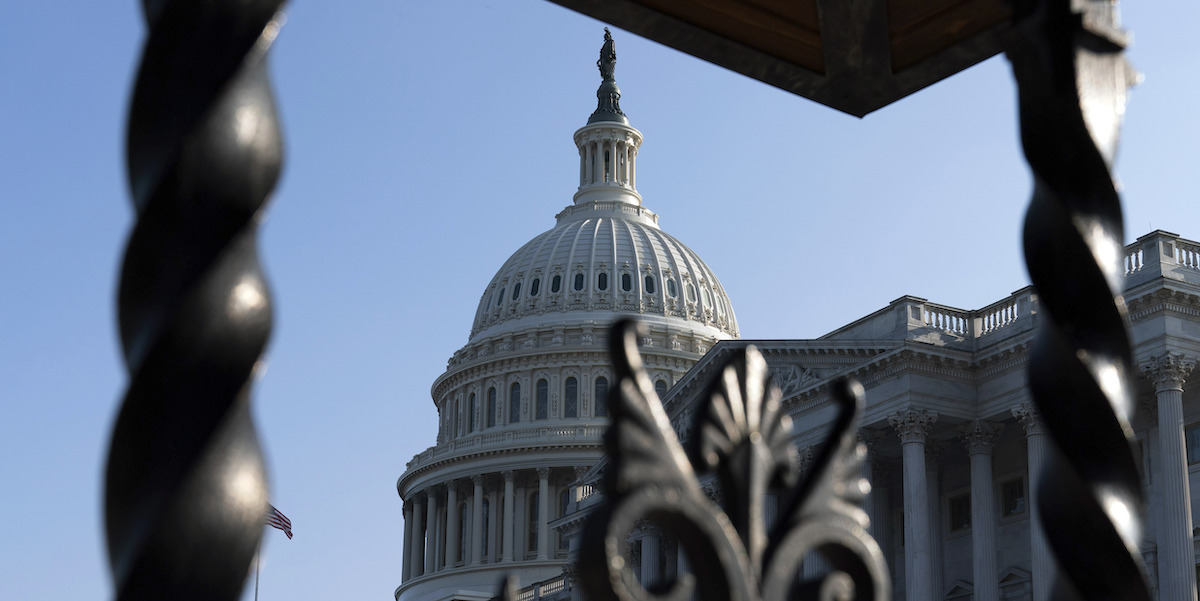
{"x": 852, "y": 55}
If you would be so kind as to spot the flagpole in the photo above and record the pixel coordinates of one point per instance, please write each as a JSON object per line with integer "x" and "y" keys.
{"x": 257, "y": 559}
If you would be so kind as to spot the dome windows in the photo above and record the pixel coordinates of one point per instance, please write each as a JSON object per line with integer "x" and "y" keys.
{"x": 516, "y": 291}
{"x": 649, "y": 284}
{"x": 578, "y": 282}
{"x": 571, "y": 398}
{"x": 491, "y": 407}
{"x": 601, "y": 397}
{"x": 602, "y": 280}
{"x": 471, "y": 413}
{"x": 671, "y": 290}
{"x": 500, "y": 297}
{"x": 556, "y": 284}
{"x": 514, "y": 403}
{"x": 691, "y": 293}
{"x": 626, "y": 282}
{"x": 535, "y": 286}
{"x": 542, "y": 400}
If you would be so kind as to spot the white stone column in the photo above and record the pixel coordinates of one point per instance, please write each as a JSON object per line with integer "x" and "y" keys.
{"x": 913, "y": 426}
{"x": 633, "y": 168}
{"x": 406, "y": 568}
{"x": 476, "y": 551}
{"x": 1042, "y": 561}
{"x": 417, "y": 563}
{"x": 431, "y": 507}
{"x": 507, "y": 550}
{"x": 452, "y": 524}
{"x": 933, "y": 453}
{"x": 979, "y": 436}
{"x": 1176, "y": 563}
{"x": 543, "y": 526}
{"x": 881, "y": 526}
{"x": 494, "y": 531}
{"x": 589, "y": 163}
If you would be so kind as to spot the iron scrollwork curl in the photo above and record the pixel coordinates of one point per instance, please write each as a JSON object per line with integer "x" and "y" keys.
{"x": 1072, "y": 79}
{"x": 185, "y": 487}
{"x": 743, "y": 436}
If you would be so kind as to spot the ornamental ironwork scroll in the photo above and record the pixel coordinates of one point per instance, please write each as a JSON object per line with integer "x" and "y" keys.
{"x": 742, "y": 436}
{"x": 185, "y": 488}
{"x": 1072, "y": 79}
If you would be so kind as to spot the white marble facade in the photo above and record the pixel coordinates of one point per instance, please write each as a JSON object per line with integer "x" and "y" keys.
{"x": 953, "y": 438}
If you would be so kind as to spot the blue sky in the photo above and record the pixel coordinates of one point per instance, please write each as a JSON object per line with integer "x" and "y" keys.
{"x": 425, "y": 142}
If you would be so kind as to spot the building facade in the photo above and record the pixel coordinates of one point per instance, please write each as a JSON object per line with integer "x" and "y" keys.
{"x": 954, "y": 441}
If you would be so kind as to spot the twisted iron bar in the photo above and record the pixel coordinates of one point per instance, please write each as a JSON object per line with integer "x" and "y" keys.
{"x": 1072, "y": 79}
{"x": 743, "y": 436}
{"x": 185, "y": 487}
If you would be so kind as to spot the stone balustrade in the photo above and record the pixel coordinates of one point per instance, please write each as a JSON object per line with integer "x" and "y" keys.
{"x": 1161, "y": 254}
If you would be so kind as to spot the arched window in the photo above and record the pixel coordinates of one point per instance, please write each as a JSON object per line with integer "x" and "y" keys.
{"x": 671, "y": 291}
{"x": 578, "y": 281}
{"x": 556, "y": 284}
{"x": 626, "y": 282}
{"x": 571, "y": 398}
{"x": 516, "y": 291}
{"x": 707, "y": 297}
{"x": 514, "y": 403}
{"x": 532, "y": 544}
{"x": 602, "y": 281}
{"x": 542, "y": 410}
{"x": 491, "y": 407}
{"x": 452, "y": 420}
{"x": 471, "y": 413}
{"x": 500, "y": 298}
{"x": 535, "y": 286}
{"x": 483, "y": 538}
{"x": 649, "y": 284}
{"x": 601, "y": 397}
{"x": 462, "y": 531}
{"x": 660, "y": 388}
{"x": 691, "y": 293}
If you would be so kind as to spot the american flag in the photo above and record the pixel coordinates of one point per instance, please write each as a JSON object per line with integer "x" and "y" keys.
{"x": 276, "y": 519}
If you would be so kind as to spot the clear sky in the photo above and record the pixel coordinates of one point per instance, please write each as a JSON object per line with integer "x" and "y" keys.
{"x": 425, "y": 142}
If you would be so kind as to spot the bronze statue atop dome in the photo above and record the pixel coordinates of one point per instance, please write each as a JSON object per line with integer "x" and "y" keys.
{"x": 608, "y": 57}
{"x": 608, "y": 97}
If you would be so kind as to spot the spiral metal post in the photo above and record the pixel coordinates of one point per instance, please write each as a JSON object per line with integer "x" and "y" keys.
{"x": 1072, "y": 79}
{"x": 185, "y": 489}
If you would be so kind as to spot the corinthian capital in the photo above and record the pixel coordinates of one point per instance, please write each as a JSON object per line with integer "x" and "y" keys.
{"x": 979, "y": 435}
{"x": 1169, "y": 371}
{"x": 913, "y": 425}
{"x": 1027, "y": 415}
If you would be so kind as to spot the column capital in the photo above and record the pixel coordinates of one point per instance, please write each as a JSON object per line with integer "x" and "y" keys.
{"x": 1169, "y": 371}
{"x": 804, "y": 459}
{"x": 1030, "y": 419}
{"x": 580, "y": 471}
{"x": 477, "y": 479}
{"x": 508, "y": 475}
{"x": 979, "y": 435}
{"x": 913, "y": 425}
{"x": 451, "y": 484}
{"x": 543, "y": 473}
{"x": 432, "y": 490}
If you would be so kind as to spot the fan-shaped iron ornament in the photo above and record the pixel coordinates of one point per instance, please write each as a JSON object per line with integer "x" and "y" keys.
{"x": 742, "y": 436}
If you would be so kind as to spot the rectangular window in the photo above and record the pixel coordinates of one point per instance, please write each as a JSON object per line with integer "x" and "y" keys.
{"x": 960, "y": 512}
{"x": 1012, "y": 497}
{"x": 1191, "y": 437}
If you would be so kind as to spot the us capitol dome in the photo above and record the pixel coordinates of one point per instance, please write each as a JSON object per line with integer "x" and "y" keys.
{"x": 522, "y": 406}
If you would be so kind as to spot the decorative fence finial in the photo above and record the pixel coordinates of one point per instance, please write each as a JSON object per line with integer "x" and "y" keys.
{"x": 185, "y": 489}
{"x": 742, "y": 435}
{"x": 1072, "y": 79}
